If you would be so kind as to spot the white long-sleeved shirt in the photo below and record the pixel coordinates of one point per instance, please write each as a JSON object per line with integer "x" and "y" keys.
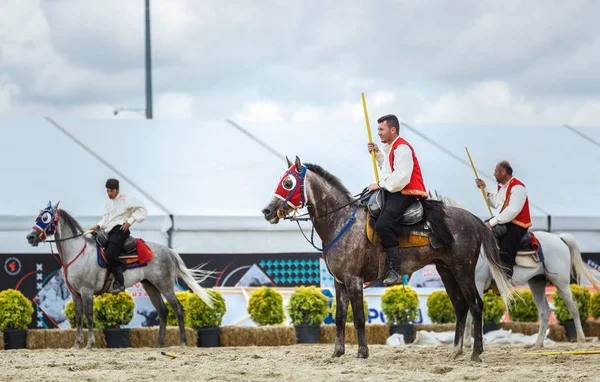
{"x": 518, "y": 194}
{"x": 396, "y": 180}
{"x": 122, "y": 209}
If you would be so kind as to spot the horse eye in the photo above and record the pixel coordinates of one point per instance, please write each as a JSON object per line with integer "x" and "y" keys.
{"x": 46, "y": 218}
{"x": 288, "y": 183}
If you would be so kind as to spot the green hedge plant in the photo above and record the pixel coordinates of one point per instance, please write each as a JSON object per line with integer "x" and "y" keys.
{"x": 493, "y": 307}
{"x": 400, "y": 304}
{"x": 200, "y": 315}
{"x": 595, "y": 305}
{"x": 523, "y": 309}
{"x": 113, "y": 310}
{"x": 15, "y": 310}
{"x": 265, "y": 306}
{"x": 439, "y": 308}
{"x": 582, "y": 296}
{"x": 183, "y": 300}
{"x": 307, "y": 306}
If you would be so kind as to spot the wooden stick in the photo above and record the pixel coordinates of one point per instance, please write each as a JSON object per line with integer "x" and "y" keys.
{"x": 370, "y": 139}
{"x": 487, "y": 203}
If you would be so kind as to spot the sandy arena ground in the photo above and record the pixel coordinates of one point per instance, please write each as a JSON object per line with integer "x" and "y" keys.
{"x": 298, "y": 363}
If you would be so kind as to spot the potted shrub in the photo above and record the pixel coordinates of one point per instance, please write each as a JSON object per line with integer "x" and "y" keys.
{"x": 523, "y": 309}
{"x": 595, "y": 305}
{"x": 439, "y": 308}
{"x": 400, "y": 306}
{"x": 265, "y": 306}
{"x": 307, "y": 308}
{"x": 493, "y": 310}
{"x": 583, "y": 297}
{"x": 15, "y": 314}
{"x": 350, "y": 313}
{"x": 206, "y": 320}
{"x": 110, "y": 313}
{"x": 183, "y": 300}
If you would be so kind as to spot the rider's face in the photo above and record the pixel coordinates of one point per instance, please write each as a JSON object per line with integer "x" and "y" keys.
{"x": 385, "y": 132}
{"x": 499, "y": 173}
{"x": 112, "y": 193}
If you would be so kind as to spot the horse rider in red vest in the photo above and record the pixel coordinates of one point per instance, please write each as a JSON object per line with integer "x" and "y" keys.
{"x": 514, "y": 214}
{"x": 402, "y": 184}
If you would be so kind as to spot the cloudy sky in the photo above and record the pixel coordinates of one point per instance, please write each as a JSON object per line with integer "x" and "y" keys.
{"x": 511, "y": 61}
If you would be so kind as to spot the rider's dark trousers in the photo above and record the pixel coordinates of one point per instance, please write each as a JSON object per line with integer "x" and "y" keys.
{"x": 509, "y": 243}
{"x": 116, "y": 239}
{"x": 395, "y": 205}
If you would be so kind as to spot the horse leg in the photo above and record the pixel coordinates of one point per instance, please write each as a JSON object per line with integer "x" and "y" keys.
{"x": 355, "y": 292}
{"x": 341, "y": 311}
{"x": 461, "y": 307}
{"x": 467, "y": 336}
{"x": 475, "y": 305}
{"x": 538, "y": 291}
{"x": 161, "y": 310}
{"x": 178, "y": 310}
{"x": 78, "y": 321}
{"x": 565, "y": 292}
{"x": 87, "y": 297}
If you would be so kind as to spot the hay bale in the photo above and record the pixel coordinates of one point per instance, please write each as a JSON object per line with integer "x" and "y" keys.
{"x": 592, "y": 329}
{"x": 147, "y": 337}
{"x": 526, "y": 328}
{"x": 376, "y": 334}
{"x": 277, "y": 335}
{"x": 60, "y": 338}
{"x": 557, "y": 333}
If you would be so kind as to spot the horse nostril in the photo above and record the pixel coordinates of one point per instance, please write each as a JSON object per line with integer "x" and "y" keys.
{"x": 266, "y": 212}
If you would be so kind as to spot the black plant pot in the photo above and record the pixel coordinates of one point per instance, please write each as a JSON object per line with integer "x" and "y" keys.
{"x": 15, "y": 339}
{"x": 405, "y": 329}
{"x": 570, "y": 331}
{"x": 307, "y": 334}
{"x": 116, "y": 337}
{"x": 209, "y": 337}
{"x": 489, "y": 327}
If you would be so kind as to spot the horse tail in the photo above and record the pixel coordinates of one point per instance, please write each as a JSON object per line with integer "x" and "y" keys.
{"x": 577, "y": 261}
{"x": 193, "y": 278}
{"x": 492, "y": 254}
{"x": 435, "y": 213}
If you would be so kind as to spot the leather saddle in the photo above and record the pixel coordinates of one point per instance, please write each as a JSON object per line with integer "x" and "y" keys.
{"x": 129, "y": 247}
{"x": 411, "y": 222}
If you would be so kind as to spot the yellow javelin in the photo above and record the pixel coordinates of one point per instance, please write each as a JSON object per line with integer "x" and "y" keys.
{"x": 370, "y": 139}
{"x": 487, "y": 203}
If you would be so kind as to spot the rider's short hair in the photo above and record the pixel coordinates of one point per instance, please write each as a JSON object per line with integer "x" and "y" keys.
{"x": 505, "y": 165}
{"x": 112, "y": 184}
{"x": 392, "y": 121}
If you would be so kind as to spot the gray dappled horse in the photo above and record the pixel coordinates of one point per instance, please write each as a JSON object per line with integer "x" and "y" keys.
{"x": 352, "y": 260}
{"x": 85, "y": 277}
{"x": 561, "y": 255}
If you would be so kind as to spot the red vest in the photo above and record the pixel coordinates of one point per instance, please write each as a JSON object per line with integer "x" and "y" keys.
{"x": 415, "y": 186}
{"x": 523, "y": 219}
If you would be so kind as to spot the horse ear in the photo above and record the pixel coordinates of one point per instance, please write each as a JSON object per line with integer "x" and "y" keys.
{"x": 56, "y": 206}
{"x": 49, "y": 204}
{"x": 289, "y": 162}
{"x": 298, "y": 164}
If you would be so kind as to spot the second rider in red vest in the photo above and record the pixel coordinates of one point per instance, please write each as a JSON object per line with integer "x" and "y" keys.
{"x": 402, "y": 183}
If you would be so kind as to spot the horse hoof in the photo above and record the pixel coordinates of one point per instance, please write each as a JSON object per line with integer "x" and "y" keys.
{"x": 90, "y": 345}
{"x": 76, "y": 346}
{"x": 475, "y": 358}
{"x": 337, "y": 353}
{"x": 455, "y": 355}
{"x": 363, "y": 353}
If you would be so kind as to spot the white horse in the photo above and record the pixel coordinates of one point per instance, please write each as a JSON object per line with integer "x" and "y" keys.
{"x": 561, "y": 254}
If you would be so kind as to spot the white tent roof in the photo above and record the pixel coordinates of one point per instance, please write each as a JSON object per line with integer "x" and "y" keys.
{"x": 199, "y": 171}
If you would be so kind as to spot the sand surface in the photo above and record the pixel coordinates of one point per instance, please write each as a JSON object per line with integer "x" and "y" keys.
{"x": 299, "y": 363}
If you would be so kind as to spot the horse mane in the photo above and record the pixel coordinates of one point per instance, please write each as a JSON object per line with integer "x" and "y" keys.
{"x": 447, "y": 200}
{"x": 328, "y": 177}
{"x": 71, "y": 223}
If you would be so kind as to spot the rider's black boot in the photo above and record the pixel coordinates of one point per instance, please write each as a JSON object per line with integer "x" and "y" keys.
{"x": 119, "y": 282}
{"x": 392, "y": 276}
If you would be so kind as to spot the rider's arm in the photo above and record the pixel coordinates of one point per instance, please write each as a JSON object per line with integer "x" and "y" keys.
{"x": 518, "y": 194}
{"x": 379, "y": 156}
{"x": 104, "y": 220}
{"x": 403, "y": 167}
{"x": 139, "y": 211}
{"x": 492, "y": 198}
